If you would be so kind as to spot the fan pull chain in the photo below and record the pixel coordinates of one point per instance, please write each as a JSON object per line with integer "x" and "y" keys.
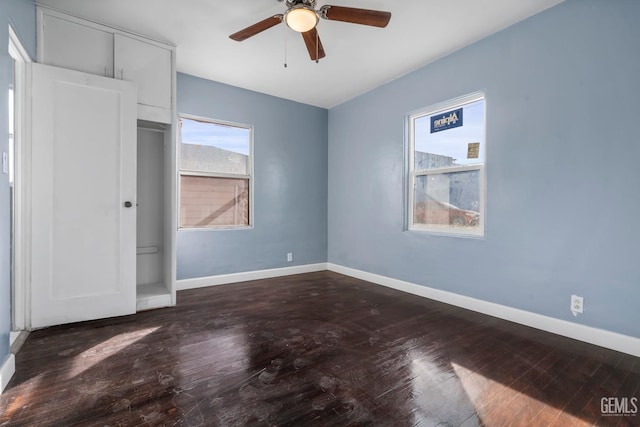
{"x": 317, "y": 47}
{"x": 285, "y": 46}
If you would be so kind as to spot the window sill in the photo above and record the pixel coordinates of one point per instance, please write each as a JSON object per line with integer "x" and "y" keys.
{"x": 227, "y": 228}
{"x": 447, "y": 232}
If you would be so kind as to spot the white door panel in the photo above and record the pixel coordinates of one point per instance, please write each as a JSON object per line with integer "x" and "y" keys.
{"x": 146, "y": 64}
{"x": 83, "y": 170}
{"x": 77, "y": 47}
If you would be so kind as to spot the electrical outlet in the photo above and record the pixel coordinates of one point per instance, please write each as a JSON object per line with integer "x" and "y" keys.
{"x": 290, "y": 257}
{"x": 577, "y": 304}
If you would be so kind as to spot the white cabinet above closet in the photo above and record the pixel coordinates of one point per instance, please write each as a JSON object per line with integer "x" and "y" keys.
{"x": 149, "y": 66}
{"x": 96, "y": 47}
{"x": 69, "y": 42}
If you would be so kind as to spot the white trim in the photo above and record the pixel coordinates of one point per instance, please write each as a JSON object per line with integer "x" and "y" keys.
{"x": 449, "y": 169}
{"x": 20, "y": 315}
{"x": 16, "y": 49}
{"x": 17, "y": 340}
{"x": 7, "y": 371}
{"x": 170, "y": 202}
{"x": 588, "y": 334}
{"x": 214, "y": 174}
{"x": 447, "y": 105}
{"x": 13, "y": 336}
{"x": 223, "y": 279}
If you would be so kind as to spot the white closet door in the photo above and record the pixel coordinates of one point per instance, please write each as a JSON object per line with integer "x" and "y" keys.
{"x": 146, "y": 64}
{"x": 77, "y": 47}
{"x": 83, "y": 157}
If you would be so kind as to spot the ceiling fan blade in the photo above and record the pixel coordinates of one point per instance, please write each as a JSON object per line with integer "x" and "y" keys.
{"x": 374, "y": 18}
{"x": 314, "y": 45}
{"x": 256, "y": 28}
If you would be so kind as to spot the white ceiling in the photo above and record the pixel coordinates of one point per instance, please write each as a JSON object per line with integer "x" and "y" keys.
{"x": 358, "y": 59}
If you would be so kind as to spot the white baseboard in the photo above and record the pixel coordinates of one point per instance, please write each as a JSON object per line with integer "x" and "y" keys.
{"x": 600, "y": 337}
{"x": 7, "y": 371}
{"x": 224, "y": 279}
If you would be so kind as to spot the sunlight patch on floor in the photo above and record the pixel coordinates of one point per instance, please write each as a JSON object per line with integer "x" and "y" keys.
{"x": 437, "y": 394}
{"x": 96, "y": 354}
{"x": 498, "y": 404}
{"x": 24, "y": 397}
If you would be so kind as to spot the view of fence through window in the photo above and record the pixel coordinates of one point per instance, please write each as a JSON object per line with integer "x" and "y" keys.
{"x": 447, "y": 153}
{"x": 215, "y": 174}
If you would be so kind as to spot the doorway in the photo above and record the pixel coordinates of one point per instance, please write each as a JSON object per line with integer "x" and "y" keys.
{"x": 16, "y": 153}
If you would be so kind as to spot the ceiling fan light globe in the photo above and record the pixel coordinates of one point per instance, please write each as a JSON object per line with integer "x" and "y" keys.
{"x": 301, "y": 19}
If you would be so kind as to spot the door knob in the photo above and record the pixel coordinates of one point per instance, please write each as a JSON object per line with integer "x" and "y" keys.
{"x": 128, "y": 204}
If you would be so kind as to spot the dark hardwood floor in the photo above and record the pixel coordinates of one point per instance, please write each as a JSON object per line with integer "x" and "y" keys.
{"x": 312, "y": 350}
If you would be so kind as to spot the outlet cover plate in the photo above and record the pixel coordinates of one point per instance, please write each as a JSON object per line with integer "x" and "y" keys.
{"x": 577, "y": 304}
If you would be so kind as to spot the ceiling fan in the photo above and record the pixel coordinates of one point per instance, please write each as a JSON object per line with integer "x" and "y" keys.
{"x": 302, "y": 16}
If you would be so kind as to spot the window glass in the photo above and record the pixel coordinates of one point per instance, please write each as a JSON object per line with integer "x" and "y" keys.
{"x": 460, "y": 145}
{"x": 448, "y": 199}
{"x": 215, "y": 174}
{"x": 213, "y": 147}
{"x": 209, "y": 201}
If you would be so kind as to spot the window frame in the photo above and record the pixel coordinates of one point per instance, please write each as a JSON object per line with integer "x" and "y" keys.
{"x": 185, "y": 172}
{"x": 412, "y": 174}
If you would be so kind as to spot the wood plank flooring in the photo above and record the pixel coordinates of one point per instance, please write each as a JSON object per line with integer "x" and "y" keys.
{"x": 318, "y": 349}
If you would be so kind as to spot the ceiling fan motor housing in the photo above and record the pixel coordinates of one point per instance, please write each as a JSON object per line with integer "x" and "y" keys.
{"x": 309, "y": 3}
{"x": 301, "y": 15}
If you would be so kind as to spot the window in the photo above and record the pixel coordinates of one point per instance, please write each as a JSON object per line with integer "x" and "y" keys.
{"x": 446, "y": 167}
{"x": 215, "y": 174}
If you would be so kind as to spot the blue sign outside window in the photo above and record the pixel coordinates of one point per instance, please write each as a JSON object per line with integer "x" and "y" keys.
{"x": 449, "y": 120}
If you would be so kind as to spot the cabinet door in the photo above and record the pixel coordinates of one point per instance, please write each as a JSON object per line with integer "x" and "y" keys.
{"x": 149, "y": 66}
{"x": 83, "y": 196}
{"x": 76, "y": 47}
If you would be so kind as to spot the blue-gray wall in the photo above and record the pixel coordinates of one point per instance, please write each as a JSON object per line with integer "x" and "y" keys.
{"x": 290, "y": 183}
{"x": 21, "y": 14}
{"x": 563, "y": 148}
